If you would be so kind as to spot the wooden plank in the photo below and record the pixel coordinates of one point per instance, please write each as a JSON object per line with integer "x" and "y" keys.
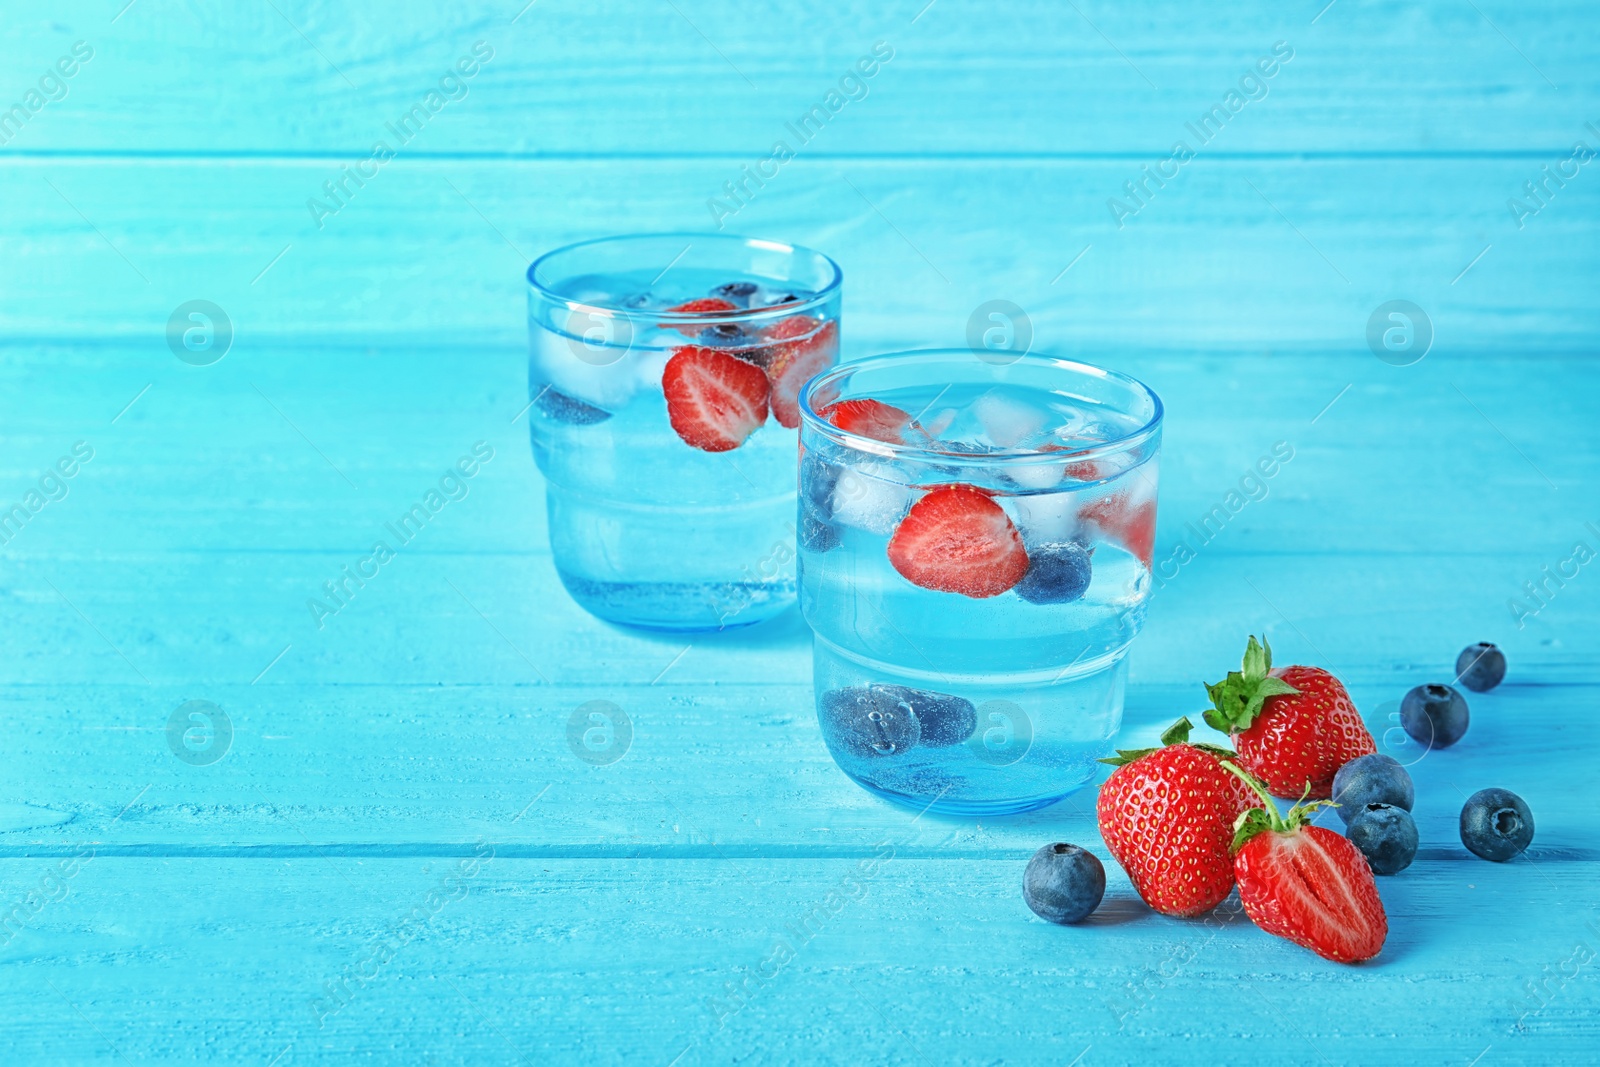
{"x": 1234, "y": 254}
{"x": 844, "y": 960}
{"x": 966, "y": 78}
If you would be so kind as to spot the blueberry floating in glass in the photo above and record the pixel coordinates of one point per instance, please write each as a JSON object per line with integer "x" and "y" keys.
{"x": 1058, "y": 573}
{"x": 867, "y": 725}
{"x": 568, "y": 409}
{"x": 945, "y": 719}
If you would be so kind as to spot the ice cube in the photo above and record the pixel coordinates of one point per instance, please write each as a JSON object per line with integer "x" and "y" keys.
{"x": 936, "y": 424}
{"x": 1045, "y": 517}
{"x": 601, "y": 376}
{"x": 1036, "y": 474}
{"x": 871, "y": 496}
{"x": 1009, "y": 421}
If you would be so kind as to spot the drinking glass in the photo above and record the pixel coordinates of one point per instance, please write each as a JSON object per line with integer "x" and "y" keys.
{"x": 975, "y": 546}
{"x": 663, "y": 379}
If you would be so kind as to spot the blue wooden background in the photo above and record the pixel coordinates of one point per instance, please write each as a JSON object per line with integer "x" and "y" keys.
{"x": 398, "y": 857}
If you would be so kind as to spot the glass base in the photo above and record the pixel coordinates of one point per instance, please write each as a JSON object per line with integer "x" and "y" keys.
{"x": 967, "y": 808}
{"x": 681, "y": 607}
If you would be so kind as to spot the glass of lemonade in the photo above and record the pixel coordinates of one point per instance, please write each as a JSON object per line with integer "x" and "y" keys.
{"x": 664, "y": 375}
{"x": 975, "y": 544}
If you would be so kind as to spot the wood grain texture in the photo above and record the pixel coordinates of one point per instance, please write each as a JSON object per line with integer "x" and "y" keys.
{"x": 638, "y": 912}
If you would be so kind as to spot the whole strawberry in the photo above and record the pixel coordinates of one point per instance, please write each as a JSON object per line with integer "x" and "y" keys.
{"x": 1294, "y": 727}
{"x": 1307, "y": 884}
{"x": 1167, "y": 816}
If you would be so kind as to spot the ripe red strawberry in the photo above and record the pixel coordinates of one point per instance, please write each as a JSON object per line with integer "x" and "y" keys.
{"x": 957, "y": 540}
{"x": 1306, "y": 883}
{"x": 704, "y": 305}
{"x": 806, "y": 351}
{"x": 714, "y": 400}
{"x": 1167, "y": 816}
{"x": 869, "y": 418}
{"x": 1294, "y": 727}
{"x": 1122, "y": 520}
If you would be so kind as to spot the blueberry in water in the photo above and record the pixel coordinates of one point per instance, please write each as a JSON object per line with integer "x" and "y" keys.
{"x": 1386, "y": 835}
{"x": 1372, "y": 779}
{"x": 723, "y": 335}
{"x": 1435, "y": 716}
{"x": 945, "y": 719}
{"x": 1481, "y": 667}
{"x": 564, "y": 408}
{"x": 1063, "y": 883}
{"x": 736, "y": 292}
{"x": 778, "y": 299}
{"x": 1496, "y": 824}
{"x": 817, "y": 480}
{"x": 1058, "y": 573}
{"x": 867, "y": 725}
{"x": 817, "y": 535}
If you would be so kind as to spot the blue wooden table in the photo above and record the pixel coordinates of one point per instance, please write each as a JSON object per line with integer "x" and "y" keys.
{"x": 382, "y": 847}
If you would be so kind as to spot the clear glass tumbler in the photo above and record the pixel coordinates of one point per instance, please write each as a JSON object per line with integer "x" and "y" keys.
{"x": 975, "y": 547}
{"x": 664, "y": 374}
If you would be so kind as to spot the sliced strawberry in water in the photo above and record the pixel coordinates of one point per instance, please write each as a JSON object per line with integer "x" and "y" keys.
{"x": 869, "y": 418}
{"x": 1121, "y": 520}
{"x": 795, "y": 362}
{"x": 957, "y": 540}
{"x": 704, "y": 305}
{"x": 714, "y": 400}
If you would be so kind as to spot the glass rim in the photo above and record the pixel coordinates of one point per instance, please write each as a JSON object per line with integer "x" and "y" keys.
{"x": 741, "y": 315}
{"x": 999, "y": 457}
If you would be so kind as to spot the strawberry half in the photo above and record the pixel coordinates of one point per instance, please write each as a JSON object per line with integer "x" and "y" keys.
{"x": 1294, "y": 727}
{"x": 704, "y": 305}
{"x": 714, "y": 400}
{"x": 869, "y": 418}
{"x": 805, "y": 352}
{"x": 1306, "y": 883}
{"x": 957, "y": 540}
{"x": 1167, "y": 816}
{"x": 1133, "y": 525}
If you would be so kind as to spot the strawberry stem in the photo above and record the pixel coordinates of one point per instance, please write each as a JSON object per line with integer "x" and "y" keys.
{"x": 1239, "y": 698}
{"x": 1176, "y": 734}
{"x": 1259, "y": 820}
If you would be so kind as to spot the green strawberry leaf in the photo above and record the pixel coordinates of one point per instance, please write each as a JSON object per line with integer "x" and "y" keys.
{"x": 1176, "y": 734}
{"x": 1255, "y": 821}
{"x": 1238, "y": 698}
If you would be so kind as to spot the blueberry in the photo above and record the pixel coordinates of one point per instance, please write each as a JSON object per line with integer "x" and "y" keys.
{"x": 723, "y": 335}
{"x": 945, "y": 719}
{"x": 1435, "y": 716}
{"x": 1481, "y": 667}
{"x": 817, "y": 535}
{"x": 1386, "y": 835}
{"x": 1373, "y": 779}
{"x": 817, "y": 480}
{"x": 1496, "y": 824}
{"x": 775, "y": 299}
{"x": 1063, "y": 883}
{"x": 867, "y": 725}
{"x": 736, "y": 292}
{"x": 1058, "y": 572}
{"x": 563, "y": 408}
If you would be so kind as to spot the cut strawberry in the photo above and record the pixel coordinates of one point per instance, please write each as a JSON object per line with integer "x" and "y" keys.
{"x": 869, "y": 418}
{"x": 714, "y": 400}
{"x": 790, "y": 328}
{"x": 1132, "y": 524}
{"x": 1305, "y": 883}
{"x": 957, "y": 540}
{"x": 704, "y": 305}
{"x": 792, "y": 363}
